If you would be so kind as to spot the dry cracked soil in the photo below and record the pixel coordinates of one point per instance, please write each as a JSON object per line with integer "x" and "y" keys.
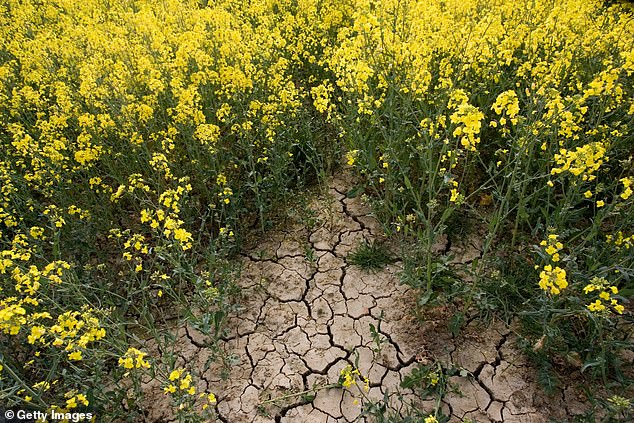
{"x": 307, "y": 313}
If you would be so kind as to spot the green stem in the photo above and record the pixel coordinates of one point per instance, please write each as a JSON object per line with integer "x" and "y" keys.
{"x": 25, "y": 386}
{"x": 299, "y": 394}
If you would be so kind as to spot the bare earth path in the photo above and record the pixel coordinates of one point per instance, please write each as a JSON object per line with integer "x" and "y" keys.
{"x": 307, "y": 313}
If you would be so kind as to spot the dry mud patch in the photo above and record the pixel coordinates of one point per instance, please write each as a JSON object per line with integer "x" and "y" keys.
{"x": 305, "y": 318}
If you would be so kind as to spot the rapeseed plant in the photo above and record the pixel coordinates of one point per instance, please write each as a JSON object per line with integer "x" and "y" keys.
{"x": 139, "y": 138}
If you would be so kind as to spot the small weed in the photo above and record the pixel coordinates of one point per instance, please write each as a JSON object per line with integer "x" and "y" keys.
{"x": 377, "y": 337}
{"x": 309, "y": 254}
{"x": 370, "y": 256}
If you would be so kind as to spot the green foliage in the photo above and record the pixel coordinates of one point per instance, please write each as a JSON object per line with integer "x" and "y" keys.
{"x": 144, "y": 142}
{"x": 370, "y": 255}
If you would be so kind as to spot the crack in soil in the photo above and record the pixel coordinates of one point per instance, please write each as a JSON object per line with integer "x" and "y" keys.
{"x": 312, "y": 321}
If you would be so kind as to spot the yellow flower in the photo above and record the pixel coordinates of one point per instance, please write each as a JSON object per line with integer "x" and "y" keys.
{"x": 507, "y": 101}
{"x": 71, "y": 403}
{"x": 589, "y": 288}
{"x": 552, "y": 280}
{"x": 127, "y": 362}
{"x": 182, "y": 236}
{"x": 455, "y": 195}
{"x": 347, "y": 376}
{"x": 600, "y": 203}
{"x": 36, "y": 333}
{"x": 588, "y": 194}
{"x": 134, "y": 358}
{"x": 602, "y": 285}
{"x": 145, "y": 216}
{"x": 75, "y": 355}
{"x": 596, "y": 306}
{"x": 584, "y": 161}
{"x": 169, "y": 389}
{"x": 552, "y": 247}
{"x": 82, "y": 398}
{"x": 42, "y": 386}
{"x": 351, "y": 157}
{"x": 627, "y": 192}
{"x": 176, "y": 374}
{"x": 36, "y": 232}
{"x": 185, "y": 382}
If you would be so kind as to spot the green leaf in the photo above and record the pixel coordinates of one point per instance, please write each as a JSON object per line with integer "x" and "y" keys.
{"x": 424, "y": 299}
{"x": 407, "y": 182}
{"x": 456, "y": 322}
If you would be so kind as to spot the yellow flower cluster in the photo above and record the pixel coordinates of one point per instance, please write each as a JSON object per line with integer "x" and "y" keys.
{"x": 620, "y": 241}
{"x": 76, "y": 330}
{"x": 351, "y": 157}
{"x": 208, "y": 134}
{"x": 134, "y": 358}
{"x": 348, "y": 377}
{"x": 627, "y": 187}
{"x": 180, "y": 383}
{"x": 552, "y": 247}
{"x": 468, "y": 120}
{"x": 225, "y": 195}
{"x": 183, "y": 380}
{"x": 56, "y": 214}
{"x": 322, "y": 98}
{"x": 224, "y": 231}
{"x": 455, "y": 197}
{"x": 135, "y": 182}
{"x": 210, "y": 397}
{"x": 160, "y": 164}
{"x": 507, "y": 103}
{"x": 605, "y": 82}
{"x": 17, "y": 312}
{"x": 605, "y": 292}
{"x": 553, "y": 280}
{"x": 583, "y": 161}
{"x": 165, "y": 220}
{"x": 75, "y": 399}
{"x": 115, "y": 109}
{"x": 12, "y": 315}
